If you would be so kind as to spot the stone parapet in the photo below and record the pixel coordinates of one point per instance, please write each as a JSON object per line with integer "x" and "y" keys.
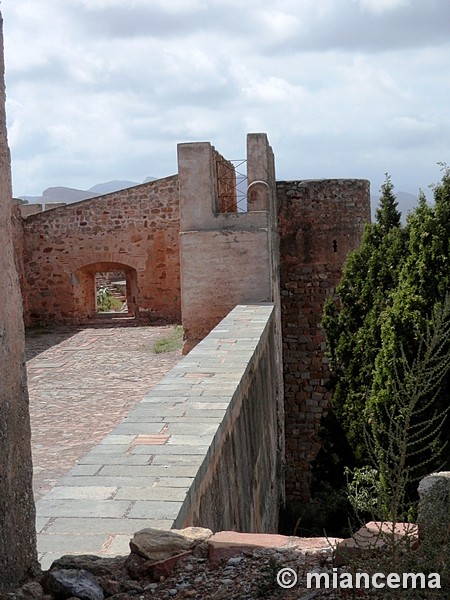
{"x": 239, "y": 485}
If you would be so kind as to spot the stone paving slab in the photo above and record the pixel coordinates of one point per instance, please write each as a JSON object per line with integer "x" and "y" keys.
{"x": 154, "y": 509}
{"x": 82, "y": 507}
{"x": 141, "y": 468}
{"x": 103, "y": 525}
{"x": 171, "y": 494}
{"x": 81, "y": 492}
{"x": 150, "y": 471}
{"x": 88, "y": 544}
{"x": 82, "y": 383}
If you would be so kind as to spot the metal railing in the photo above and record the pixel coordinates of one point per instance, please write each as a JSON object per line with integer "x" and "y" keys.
{"x": 232, "y": 185}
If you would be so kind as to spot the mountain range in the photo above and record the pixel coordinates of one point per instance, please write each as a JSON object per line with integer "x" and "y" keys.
{"x": 406, "y": 200}
{"x": 69, "y": 195}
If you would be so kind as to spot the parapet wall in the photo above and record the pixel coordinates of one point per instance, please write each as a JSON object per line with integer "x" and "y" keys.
{"x": 320, "y": 222}
{"x": 135, "y": 230}
{"x": 239, "y": 485}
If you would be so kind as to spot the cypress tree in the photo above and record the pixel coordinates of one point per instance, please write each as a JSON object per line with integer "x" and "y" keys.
{"x": 353, "y": 323}
{"x": 392, "y": 291}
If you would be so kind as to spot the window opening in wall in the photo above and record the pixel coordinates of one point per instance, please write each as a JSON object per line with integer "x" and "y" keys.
{"x": 334, "y": 246}
{"x": 232, "y": 185}
{"x": 111, "y": 292}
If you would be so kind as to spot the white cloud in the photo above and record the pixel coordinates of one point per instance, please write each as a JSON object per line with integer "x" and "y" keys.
{"x": 98, "y": 88}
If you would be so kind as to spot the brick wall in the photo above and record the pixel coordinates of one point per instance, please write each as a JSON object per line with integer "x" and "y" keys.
{"x": 135, "y": 230}
{"x": 226, "y": 184}
{"x": 320, "y": 221}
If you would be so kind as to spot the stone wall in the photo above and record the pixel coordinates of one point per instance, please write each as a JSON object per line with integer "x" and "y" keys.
{"x": 225, "y": 175}
{"x": 17, "y": 531}
{"x": 226, "y": 257}
{"x": 320, "y": 222}
{"x": 18, "y": 243}
{"x": 135, "y": 230}
{"x": 239, "y": 485}
{"x": 27, "y": 210}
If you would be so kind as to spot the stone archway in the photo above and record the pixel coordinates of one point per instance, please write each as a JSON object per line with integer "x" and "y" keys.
{"x": 84, "y": 288}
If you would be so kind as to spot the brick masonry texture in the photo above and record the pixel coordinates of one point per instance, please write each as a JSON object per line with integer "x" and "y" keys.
{"x": 135, "y": 230}
{"x": 320, "y": 222}
{"x": 17, "y": 534}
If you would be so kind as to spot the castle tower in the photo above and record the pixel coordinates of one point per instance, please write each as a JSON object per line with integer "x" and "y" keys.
{"x": 320, "y": 222}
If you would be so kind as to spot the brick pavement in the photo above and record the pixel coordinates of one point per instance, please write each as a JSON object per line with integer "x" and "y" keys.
{"x": 82, "y": 382}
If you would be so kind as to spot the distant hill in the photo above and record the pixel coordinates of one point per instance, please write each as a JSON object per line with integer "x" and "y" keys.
{"x": 406, "y": 202}
{"x": 112, "y": 186}
{"x": 65, "y": 194}
{"x": 69, "y": 195}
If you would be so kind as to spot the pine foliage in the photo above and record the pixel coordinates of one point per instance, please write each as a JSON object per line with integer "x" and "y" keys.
{"x": 391, "y": 299}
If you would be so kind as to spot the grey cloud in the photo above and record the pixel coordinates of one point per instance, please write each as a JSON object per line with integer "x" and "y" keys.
{"x": 415, "y": 139}
{"x": 152, "y": 21}
{"x": 124, "y": 83}
{"x": 54, "y": 70}
{"x": 33, "y": 143}
{"x": 352, "y": 29}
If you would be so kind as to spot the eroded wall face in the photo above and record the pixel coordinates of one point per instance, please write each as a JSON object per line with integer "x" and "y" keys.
{"x": 137, "y": 227}
{"x": 320, "y": 222}
{"x": 18, "y": 242}
{"x": 17, "y": 527}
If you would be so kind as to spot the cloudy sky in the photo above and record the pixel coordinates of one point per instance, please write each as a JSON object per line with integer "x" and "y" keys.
{"x": 105, "y": 89}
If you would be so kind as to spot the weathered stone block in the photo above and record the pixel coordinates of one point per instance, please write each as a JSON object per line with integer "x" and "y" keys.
{"x": 434, "y": 507}
{"x": 158, "y": 545}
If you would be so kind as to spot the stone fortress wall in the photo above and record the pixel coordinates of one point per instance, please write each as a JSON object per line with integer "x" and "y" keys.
{"x": 226, "y": 257}
{"x": 320, "y": 222}
{"x": 189, "y": 255}
{"x": 291, "y": 242}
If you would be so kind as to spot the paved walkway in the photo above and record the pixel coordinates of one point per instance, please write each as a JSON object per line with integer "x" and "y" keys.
{"x": 82, "y": 383}
{"x": 162, "y": 453}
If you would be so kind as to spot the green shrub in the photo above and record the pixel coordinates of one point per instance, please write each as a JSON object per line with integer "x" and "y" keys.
{"x": 173, "y": 341}
{"x": 107, "y": 302}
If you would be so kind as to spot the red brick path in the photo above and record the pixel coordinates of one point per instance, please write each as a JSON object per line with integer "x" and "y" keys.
{"x": 82, "y": 383}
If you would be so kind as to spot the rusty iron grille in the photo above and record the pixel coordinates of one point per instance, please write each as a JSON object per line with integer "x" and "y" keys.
{"x": 232, "y": 185}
